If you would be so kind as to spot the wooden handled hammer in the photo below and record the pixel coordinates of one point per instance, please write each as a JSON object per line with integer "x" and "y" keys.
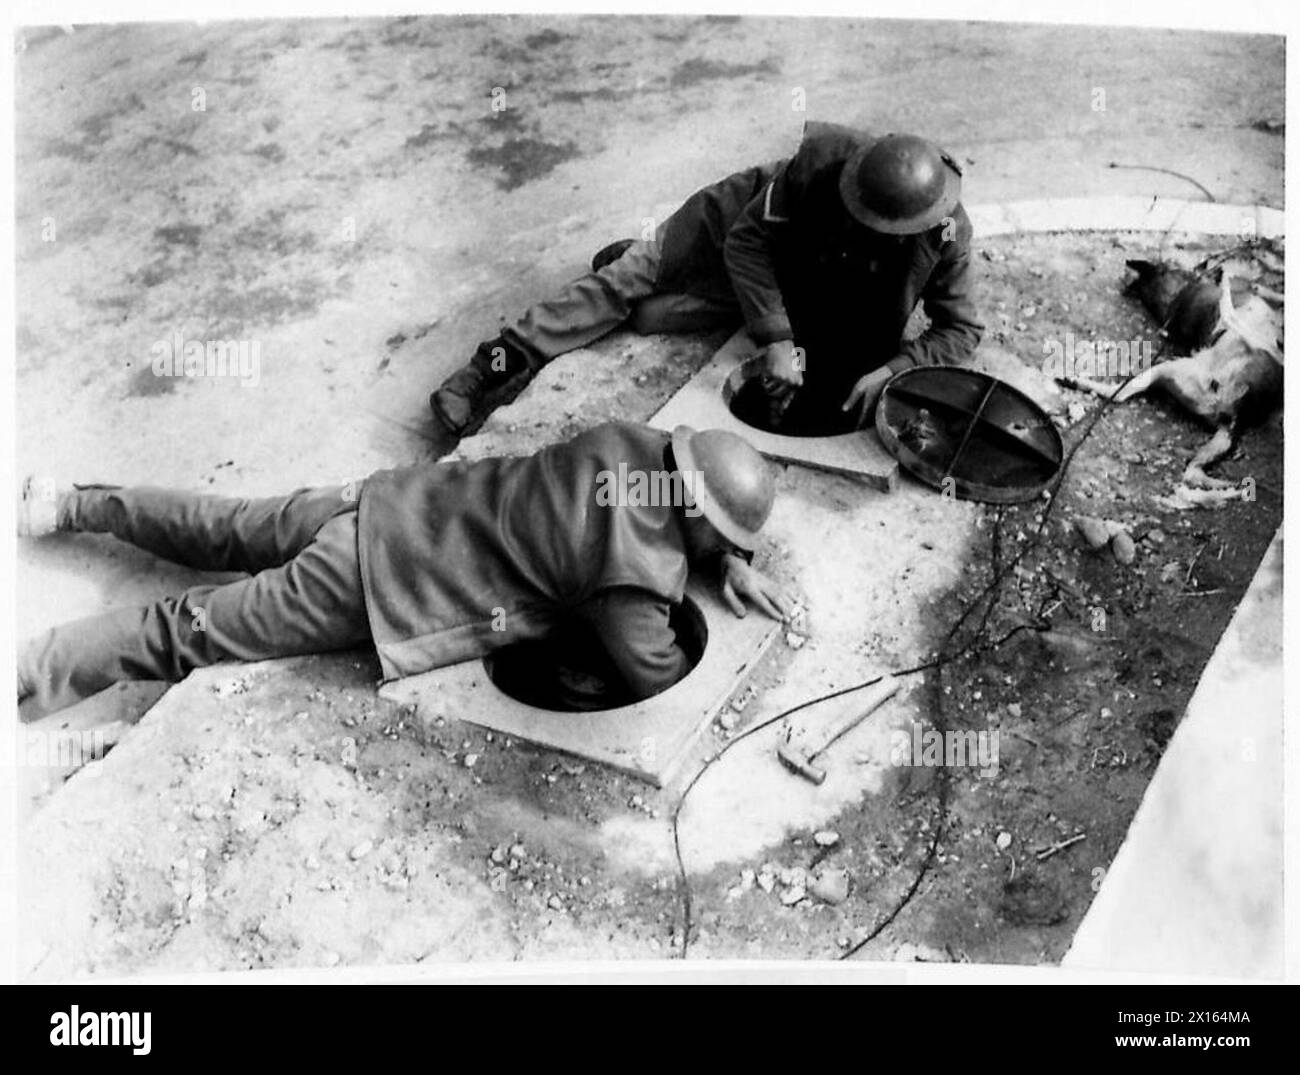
{"x": 798, "y": 758}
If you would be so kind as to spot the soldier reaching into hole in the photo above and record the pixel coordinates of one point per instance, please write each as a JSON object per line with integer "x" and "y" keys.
{"x": 822, "y": 257}
{"x": 431, "y": 564}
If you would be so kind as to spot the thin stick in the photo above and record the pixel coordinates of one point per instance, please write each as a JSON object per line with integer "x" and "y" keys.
{"x": 1048, "y": 852}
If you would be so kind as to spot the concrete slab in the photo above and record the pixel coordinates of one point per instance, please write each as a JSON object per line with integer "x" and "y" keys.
{"x": 1196, "y": 887}
{"x": 702, "y": 403}
{"x": 648, "y": 740}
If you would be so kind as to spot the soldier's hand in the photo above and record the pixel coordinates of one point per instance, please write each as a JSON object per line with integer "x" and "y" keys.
{"x": 740, "y": 581}
{"x": 866, "y": 393}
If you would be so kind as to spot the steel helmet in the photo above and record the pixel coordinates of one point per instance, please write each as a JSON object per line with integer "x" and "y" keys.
{"x": 733, "y": 485}
{"x": 900, "y": 184}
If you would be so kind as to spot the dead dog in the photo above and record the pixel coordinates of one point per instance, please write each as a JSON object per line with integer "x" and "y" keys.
{"x": 1233, "y": 377}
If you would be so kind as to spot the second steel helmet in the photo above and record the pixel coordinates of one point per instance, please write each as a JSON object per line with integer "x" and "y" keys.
{"x": 900, "y": 184}
{"x": 733, "y": 486}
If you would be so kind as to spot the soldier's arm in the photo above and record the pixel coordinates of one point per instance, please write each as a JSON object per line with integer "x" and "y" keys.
{"x": 747, "y": 253}
{"x": 632, "y": 625}
{"x": 955, "y": 329}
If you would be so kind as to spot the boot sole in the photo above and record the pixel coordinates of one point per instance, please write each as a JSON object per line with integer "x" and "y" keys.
{"x": 493, "y": 399}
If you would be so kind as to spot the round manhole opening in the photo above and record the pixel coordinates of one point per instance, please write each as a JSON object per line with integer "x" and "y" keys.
{"x": 809, "y": 414}
{"x": 569, "y": 672}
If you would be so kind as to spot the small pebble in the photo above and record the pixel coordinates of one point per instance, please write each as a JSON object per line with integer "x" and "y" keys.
{"x": 1123, "y": 548}
{"x": 826, "y": 838}
{"x": 1004, "y": 840}
{"x": 361, "y": 850}
{"x": 1093, "y": 531}
{"x": 831, "y": 886}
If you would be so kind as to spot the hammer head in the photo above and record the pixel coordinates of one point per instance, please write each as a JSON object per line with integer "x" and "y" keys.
{"x": 795, "y": 760}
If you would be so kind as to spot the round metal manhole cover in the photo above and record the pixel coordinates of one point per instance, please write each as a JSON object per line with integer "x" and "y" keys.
{"x": 969, "y": 434}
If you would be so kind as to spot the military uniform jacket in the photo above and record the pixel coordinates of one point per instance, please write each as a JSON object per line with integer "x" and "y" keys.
{"x": 777, "y": 240}
{"x": 460, "y": 558}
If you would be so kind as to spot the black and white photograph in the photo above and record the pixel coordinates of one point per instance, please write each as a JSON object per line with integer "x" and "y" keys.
{"x": 735, "y": 492}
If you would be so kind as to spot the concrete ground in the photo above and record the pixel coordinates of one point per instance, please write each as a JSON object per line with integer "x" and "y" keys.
{"x": 350, "y": 198}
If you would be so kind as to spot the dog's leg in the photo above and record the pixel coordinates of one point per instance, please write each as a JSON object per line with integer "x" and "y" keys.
{"x": 1210, "y": 453}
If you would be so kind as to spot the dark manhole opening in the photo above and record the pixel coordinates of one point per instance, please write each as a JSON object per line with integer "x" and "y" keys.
{"x": 810, "y": 413}
{"x": 568, "y": 671}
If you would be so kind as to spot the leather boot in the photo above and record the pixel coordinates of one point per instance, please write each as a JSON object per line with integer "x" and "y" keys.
{"x": 38, "y": 506}
{"x": 610, "y": 253}
{"x": 464, "y": 400}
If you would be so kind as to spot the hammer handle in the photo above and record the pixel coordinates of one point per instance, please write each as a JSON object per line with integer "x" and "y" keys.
{"x": 876, "y": 697}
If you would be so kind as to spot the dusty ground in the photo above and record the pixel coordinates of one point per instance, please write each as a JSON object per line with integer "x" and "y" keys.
{"x": 234, "y": 222}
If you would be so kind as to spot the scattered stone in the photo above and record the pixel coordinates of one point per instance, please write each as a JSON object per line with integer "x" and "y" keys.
{"x": 361, "y": 850}
{"x": 794, "y": 640}
{"x": 1093, "y": 531}
{"x": 793, "y": 895}
{"x": 1155, "y": 537}
{"x": 203, "y": 812}
{"x": 727, "y": 720}
{"x": 311, "y": 862}
{"x": 517, "y": 852}
{"x": 471, "y": 760}
{"x": 831, "y": 886}
{"x": 1014, "y": 709}
{"x": 1076, "y": 411}
{"x": 555, "y": 903}
{"x": 1004, "y": 840}
{"x": 498, "y": 856}
{"x": 826, "y": 838}
{"x": 1121, "y": 545}
{"x": 747, "y": 879}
